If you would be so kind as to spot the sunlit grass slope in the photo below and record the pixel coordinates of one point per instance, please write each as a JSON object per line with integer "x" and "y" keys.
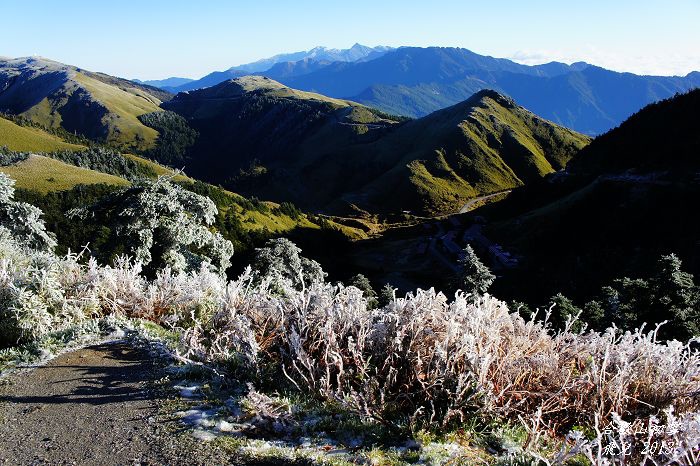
{"x": 27, "y": 139}
{"x": 43, "y": 175}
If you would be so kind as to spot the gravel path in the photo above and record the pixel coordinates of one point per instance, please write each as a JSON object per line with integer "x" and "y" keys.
{"x": 94, "y": 406}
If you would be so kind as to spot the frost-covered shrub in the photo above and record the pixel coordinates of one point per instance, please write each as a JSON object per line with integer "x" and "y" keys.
{"x": 281, "y": 261}
{"x": 224, "y": 336}
{"x": 432, "y": 360}
{"x": 474, "y": 277}
{"x": 422, "y": 360}
{"x": 22, "y": 221}
{"x": 32, "y": 293}
{"x": 164, "y": 225}
{"x": 666, "y": 439}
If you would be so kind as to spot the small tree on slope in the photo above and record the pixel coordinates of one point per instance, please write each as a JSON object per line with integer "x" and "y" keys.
{"x": 474, "y": 278}
{"x": 22, "y": 221}
{"x": 282, "y": 259}
{"x": 163, "y": 224}
{"x": 362, "y": 283}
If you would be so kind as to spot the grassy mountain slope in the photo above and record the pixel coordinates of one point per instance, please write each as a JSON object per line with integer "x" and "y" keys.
{"x": 44, "y": 174}
{"x": 630, "y": 196}
{"x": 255, "y": 134}
{"x": 58, "y": 176}
{"x": 483, "y": 145}
{"x": 95, "y": 105}
{"x": 25, "y": 139}
{"x": 268, "y": 140}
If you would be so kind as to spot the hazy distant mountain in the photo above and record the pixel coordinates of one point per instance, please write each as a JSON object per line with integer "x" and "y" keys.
{"x": 416, "y": 81}
{"x": 165, "y": 83}
{"x": 95, "y": 105}
{"x": 289, "y": 69}
{"x": 295, "y": 63}
{"x": 413, "y": 66}
{"x": 260, "y": 137}
{"x": 212, "y": 79}
{"x": 354, "y": 53}
{"x": 413, "y": 81}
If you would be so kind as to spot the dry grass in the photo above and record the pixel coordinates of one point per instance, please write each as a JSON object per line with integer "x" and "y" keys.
{"x": 25, "y": 139}
{"x": 44, "y": 174}
{"x": 423, "y": 361}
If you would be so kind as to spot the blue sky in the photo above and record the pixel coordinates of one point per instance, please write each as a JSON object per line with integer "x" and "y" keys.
{"x": 156, "y": 39}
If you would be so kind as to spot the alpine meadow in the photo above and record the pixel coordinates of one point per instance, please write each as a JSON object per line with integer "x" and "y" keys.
{"x": 223, "y": 242}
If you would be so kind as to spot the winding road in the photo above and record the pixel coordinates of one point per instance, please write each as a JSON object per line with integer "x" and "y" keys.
{"x": 471, "y": 203}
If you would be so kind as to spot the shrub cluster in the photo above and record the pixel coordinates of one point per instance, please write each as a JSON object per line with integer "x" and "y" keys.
{"x": 422, "y": 361}
{"x": 175, "y": 136}
{"x": 10, "y": 157}
{"x": 105, "y": 160}
{"x": 98, "y": 158}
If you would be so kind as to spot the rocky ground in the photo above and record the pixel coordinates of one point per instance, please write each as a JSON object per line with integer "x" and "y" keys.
{"x": 99, "y": 405}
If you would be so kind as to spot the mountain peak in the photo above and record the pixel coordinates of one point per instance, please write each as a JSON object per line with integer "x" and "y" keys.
{"x": 355, "y": 53}
{"x": 579, "y": 65}
{"x": 232, "y": 89}
{"x": 94, "y": 105}
{"x": 34, "y": 61}
{"x": 238, "y": 86}
{"x": 496, "y": 96}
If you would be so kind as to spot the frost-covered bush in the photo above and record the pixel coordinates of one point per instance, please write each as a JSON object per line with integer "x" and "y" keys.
{"x": 428, "y": 358}
{"x": 423, "y": 360}
{"x": 22, "y": 221}
{"x": 33, "y": 293}
{"x": 281, "y": 261}
{"x": 164, "y": 225}
{"x": 474, "y": 277}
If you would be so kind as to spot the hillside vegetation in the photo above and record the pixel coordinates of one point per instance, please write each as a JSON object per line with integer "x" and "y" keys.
{"x": 94, "y": 105}
{"x": 27, "y": 139}
{"x": 262, "y": 138}
{"x": 59, "y": 176}
{"x": 311, "y": 359}
{"x": 661, "y": 137}
{"x": 43, "y": 175}
{"x": 435, "y": 164}
{"x": 628, "y": 198}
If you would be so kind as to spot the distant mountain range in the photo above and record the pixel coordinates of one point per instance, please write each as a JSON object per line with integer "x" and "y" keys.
{"x": 262, "y": 138}
{"x": 165, "y": 83}
{"x": 412, "y": 81}
{"x": 355, "y": 53}
{"x": 308, "y": 60}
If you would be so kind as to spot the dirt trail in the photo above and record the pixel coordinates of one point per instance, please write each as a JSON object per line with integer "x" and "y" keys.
{"x": 477, "y": 200}
{"x": 94, "y": 406}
